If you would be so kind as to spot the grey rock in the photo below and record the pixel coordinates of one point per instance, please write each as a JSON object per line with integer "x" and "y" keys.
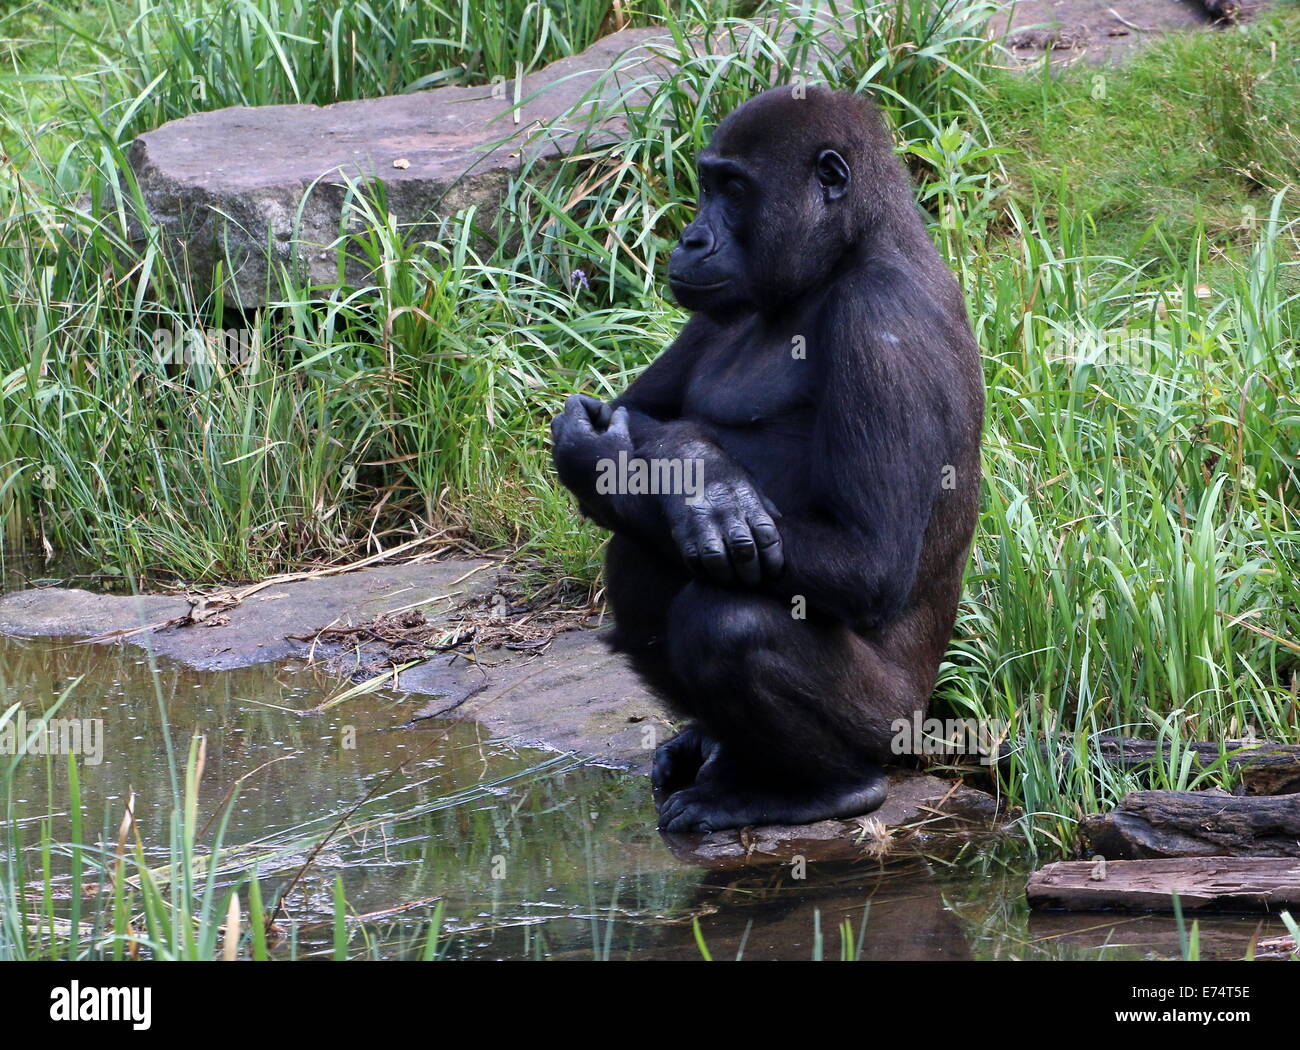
{"x": 255, "y": 631}
{"x": 70, "y": 611}
{"x": 576, "y": 696}
{"x": 921, "y": 814}
{"x": 265, "y": 187}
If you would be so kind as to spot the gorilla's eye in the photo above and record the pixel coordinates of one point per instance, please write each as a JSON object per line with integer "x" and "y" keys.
{"x": 735, "y": 189}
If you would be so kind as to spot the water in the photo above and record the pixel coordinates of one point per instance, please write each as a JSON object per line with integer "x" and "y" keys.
{"x": 535, "y": 855}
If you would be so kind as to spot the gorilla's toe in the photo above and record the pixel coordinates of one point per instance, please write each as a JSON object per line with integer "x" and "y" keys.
{"x": 693, "y": 809}
{"x": 677, "y": 762}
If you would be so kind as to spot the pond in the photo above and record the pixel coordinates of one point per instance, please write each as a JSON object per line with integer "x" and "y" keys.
{"x": 533, "y": 854}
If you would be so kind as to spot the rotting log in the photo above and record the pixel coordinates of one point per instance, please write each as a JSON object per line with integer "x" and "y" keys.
{"x": 1147, "y": 824}
{"x": 1265, "y": 768}
{"x": 1202, "y": 884}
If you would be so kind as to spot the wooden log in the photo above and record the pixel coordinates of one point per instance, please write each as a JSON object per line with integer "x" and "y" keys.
{"x": 1266, "y": 768}
{"x": 1149, "y": 824}
{"x": 1202, "y": 884}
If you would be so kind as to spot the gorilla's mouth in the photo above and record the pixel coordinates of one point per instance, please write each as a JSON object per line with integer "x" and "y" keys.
{"x": 696, "y": 286}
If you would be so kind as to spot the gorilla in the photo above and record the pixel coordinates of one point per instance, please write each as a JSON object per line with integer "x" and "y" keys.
{"x": 826, "y": 398}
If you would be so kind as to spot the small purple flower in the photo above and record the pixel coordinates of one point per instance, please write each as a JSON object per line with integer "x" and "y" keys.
{"x": 578, "y": 279}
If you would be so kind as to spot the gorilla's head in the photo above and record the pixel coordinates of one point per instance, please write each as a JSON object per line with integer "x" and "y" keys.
{"x": 792, "y": 184}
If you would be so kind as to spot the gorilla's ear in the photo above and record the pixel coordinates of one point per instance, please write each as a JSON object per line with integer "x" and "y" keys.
{"x": 833, "y": 174}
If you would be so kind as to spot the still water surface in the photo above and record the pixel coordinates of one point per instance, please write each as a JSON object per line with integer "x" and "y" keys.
{"x": 534, "y": 854}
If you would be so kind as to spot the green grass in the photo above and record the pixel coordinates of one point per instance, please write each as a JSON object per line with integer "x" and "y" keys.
{"x": 1188, "y": 137}
{"x": 1129, "y": 255}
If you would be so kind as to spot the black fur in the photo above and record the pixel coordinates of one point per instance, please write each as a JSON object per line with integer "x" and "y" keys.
{"x": 830, "y": 385}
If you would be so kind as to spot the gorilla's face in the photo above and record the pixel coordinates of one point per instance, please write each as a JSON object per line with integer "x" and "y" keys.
{"x": 707, "y": 270}
{"x": 769, "y": 224}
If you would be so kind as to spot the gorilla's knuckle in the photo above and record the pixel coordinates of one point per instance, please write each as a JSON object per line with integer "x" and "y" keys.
{"x": 742, "y": 544}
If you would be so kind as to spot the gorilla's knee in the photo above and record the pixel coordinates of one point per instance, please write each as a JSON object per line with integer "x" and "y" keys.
{"x": 715, "y": 633}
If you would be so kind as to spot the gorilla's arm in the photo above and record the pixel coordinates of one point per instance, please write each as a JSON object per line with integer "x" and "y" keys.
{"x": 729, "y": 532}
{"x": 724, "y": 532}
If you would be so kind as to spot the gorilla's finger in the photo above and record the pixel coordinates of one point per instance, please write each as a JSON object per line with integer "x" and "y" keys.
{"x": 597, "y": 411}
{"x": 673, "y": 807}
{"x": 683, "y": 539}
{"x": 662, "y": 769}
{"x": 770, "y": 507}
{"x": 668, "y": 808}
{"x": 743, "y": 551}
{"x": 689, "y": 814}
{"x": 717, "y": 566}
{"x": 677, "y": 761}
{"x": 691, "y": 556}
{"x": 618, "y": 424}
{"x": 580, "y": 422}
{"x": 767, "y": 538}
{"x": 700, "y": 543}
{"x": 712, "y": 545}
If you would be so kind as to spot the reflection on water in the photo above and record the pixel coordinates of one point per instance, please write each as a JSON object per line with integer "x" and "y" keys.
{"x": 535, "y": 855}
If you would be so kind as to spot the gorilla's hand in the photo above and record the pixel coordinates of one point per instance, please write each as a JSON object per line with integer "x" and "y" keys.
{"x": 587, "y": 431}
{"x": 727, "y": 532}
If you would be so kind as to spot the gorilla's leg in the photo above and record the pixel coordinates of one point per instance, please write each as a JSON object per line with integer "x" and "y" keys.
{"x": 793, "y": 715}
{"x": 641, "y": 587}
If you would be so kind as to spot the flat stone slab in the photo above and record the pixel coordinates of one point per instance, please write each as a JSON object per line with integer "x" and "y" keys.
{"x": 1098, "y": 31}
{"x": 240, "y": 180}
{"x": 252, "y": 632}
{"x": 1211, "y": 883}
{"x": 576, "y": 696}
{"x": 920, "y": 812}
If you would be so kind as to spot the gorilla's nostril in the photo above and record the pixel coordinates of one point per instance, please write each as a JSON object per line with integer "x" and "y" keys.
{"x": 700, "y": 240}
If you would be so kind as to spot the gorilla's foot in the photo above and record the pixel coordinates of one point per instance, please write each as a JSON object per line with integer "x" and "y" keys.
{"x": 677, "y": 762}
{"x": 724, "y": 796}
